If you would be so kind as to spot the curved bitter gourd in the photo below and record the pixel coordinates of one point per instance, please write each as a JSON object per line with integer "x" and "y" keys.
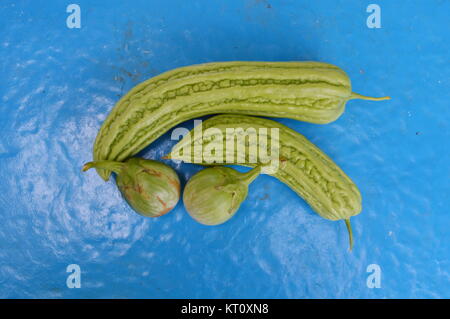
{"x": 302, "y": 166}
{"x": 308, "y": 91}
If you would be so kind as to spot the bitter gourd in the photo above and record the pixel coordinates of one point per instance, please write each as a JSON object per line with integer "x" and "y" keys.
{"x": 308, "y": 91}
{"x": 303, "y": 166}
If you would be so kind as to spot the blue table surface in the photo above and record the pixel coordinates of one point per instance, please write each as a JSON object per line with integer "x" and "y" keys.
{"x": 58, "y": 84}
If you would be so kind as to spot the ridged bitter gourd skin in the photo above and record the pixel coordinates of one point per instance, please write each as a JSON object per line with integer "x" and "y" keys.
{"x": 308, "y": 91}
{"x": 303, "y": 166}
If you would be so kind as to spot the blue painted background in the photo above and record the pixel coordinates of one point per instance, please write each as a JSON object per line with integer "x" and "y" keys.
{"x": 58, "y": 84}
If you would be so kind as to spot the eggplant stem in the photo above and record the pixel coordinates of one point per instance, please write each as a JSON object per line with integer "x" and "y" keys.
{"x": 114, "y": 166}
{"x": 250, "y": 176}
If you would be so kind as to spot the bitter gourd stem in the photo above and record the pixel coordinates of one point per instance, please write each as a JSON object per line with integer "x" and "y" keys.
{"x": 114, "y": 166}
{"x": 350, "y": 233}
{"x": 370, "y": 98}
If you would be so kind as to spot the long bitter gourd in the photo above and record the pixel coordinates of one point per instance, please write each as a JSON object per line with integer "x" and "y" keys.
{"x": 308, "y": 91}
{"x": 303, "y": 166}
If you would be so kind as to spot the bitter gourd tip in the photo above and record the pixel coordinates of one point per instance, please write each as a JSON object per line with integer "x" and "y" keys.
{"x": 350, "y": 233}
{"x": 369, "y": 98}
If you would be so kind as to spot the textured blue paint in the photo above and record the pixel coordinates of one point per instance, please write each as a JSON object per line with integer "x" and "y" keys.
{"x": 58, "y": 84}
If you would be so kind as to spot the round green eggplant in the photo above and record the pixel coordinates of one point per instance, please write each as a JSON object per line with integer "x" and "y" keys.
{"x": 151, "y": 188}
{"x": 213, "y": 195}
